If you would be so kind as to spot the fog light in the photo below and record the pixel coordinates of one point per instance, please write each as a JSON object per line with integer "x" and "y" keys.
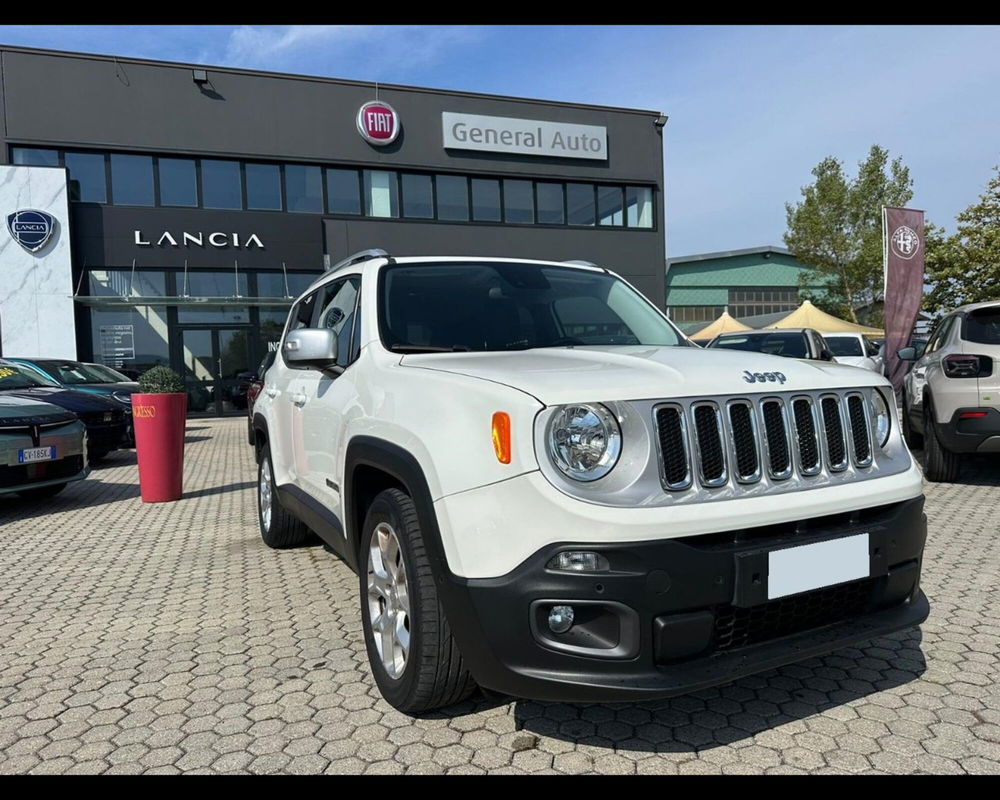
{"x": 577, "y": 561}
{"x": 561, "y": 618}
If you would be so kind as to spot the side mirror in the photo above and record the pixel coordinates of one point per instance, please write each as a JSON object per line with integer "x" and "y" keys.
{"x": 907, "y": 353}
{"x": 826, "y": 355}
{"x": 311, "y": 348}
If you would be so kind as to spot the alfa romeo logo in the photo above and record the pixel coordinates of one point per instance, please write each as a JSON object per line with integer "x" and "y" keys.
{"x": 31, "y": 229}
{"x": 904, "y": 242}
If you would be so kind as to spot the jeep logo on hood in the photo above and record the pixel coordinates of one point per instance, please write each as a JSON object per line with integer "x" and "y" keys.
{"x": 763, "y": 377}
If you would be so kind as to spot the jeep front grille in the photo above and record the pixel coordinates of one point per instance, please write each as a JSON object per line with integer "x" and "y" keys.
{"x": 740, "y": 441}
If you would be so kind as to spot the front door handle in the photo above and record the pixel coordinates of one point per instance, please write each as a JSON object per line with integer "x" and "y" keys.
{"x": 299, "y": 399}
{"x": 270, "y": 391}
{"x": 919, "y": 373}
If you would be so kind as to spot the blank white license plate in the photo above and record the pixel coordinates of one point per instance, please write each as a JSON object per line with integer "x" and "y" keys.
{"x": 32, "y": 454}
{"x": 813, "y": 566}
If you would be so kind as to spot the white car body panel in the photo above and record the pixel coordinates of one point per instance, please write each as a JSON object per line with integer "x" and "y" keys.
{"x": 872, "y": 363}
{"x": 439, "y": 407}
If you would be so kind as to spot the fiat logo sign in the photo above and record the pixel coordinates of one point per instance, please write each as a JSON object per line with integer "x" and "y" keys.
{"x": 378, "y": 123}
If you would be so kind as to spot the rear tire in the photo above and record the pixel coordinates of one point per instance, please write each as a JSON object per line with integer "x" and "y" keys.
{"x": 42, "y": 492}
{"x": 422, "y": 669}
{"x": 940, "y": 464}
{"x": 278, "y": 528}
{"x": 97, "y": 457}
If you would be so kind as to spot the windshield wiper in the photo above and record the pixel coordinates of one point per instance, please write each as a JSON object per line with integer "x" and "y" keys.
{"x": 427, "y": 348}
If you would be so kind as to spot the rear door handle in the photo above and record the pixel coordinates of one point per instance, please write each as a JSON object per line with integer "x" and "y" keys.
{"x": 299, "y": 399}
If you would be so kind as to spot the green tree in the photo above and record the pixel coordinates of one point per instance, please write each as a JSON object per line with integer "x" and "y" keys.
{"x": 837, "y": 228}
{"x": 965, "y": 267}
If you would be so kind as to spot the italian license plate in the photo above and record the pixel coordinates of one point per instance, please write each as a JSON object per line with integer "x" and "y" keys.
{"x": 32, "y": 454}
{"x": 813, "y": 566}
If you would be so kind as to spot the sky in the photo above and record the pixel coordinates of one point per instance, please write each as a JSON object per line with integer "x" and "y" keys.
{"x": 751, "y": 109}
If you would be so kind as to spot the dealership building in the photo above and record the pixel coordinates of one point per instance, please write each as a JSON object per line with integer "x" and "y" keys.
{"x": 163, "y": 213}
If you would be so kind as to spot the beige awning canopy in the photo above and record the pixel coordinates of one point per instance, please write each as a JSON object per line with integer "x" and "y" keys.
{"x": 808, "y": 316}
{"x": 724, "y": 324}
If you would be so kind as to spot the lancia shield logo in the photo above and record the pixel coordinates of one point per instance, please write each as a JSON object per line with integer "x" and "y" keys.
{"x": 31, "y": 229}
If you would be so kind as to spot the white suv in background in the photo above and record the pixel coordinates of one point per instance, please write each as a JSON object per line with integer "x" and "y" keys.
{"x": 951, "y": 397}
{"x": 854, "y": 350}
{"x": 545, "y": 489}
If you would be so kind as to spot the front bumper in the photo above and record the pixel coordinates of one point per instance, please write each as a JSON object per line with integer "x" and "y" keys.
{"x": 675, "y": 615}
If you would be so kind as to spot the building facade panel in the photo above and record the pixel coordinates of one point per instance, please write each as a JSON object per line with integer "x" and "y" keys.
{"x": 202, "y": 200}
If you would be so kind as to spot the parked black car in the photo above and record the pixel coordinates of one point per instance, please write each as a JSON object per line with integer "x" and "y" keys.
{"x": 105, "y": 419}
{"x": 92, "y": 378}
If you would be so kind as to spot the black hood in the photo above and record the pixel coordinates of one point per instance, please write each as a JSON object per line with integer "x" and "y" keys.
{"x": 71, "y": 400}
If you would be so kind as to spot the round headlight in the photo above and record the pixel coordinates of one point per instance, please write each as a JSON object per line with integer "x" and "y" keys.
{"x": 584, "y": 441}
{"x": 880, "y": 414}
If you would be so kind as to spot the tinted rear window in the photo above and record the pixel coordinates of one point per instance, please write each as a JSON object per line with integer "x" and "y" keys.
{"x": 844, "y": 345}
{"x": 983, "y": 326}
{"x": 792, "y": 345}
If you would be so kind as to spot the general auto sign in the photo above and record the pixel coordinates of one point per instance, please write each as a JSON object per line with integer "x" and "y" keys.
{"x": 378, "y": 123}
{"x": 524, "y": 136}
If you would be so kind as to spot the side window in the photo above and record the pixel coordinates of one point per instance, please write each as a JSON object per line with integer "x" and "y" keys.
{"x": 337, "y": 310}
{"x": 940, "y": 336}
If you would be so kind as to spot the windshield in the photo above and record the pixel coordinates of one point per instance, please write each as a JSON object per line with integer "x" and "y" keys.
{"x": 792, "y": 345}
{"x": 983, "y": 326}
{"x": 14, "y": 376}
{"x": 844, "y": 345}
{"x": 110, "y": 375}
{"x": 498, "y": 306}
{"x": 73, "y": 372}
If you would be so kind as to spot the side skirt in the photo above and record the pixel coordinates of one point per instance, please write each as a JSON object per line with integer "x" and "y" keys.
{"x": 323, "y": 522}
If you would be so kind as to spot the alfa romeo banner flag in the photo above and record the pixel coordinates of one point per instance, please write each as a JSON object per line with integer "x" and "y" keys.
{"x": 903, "y": 249}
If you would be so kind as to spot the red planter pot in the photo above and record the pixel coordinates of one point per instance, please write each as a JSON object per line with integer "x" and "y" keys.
{"x": 159, "y": 421}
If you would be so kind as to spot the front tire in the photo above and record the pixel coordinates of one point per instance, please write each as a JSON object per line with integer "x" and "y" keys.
{"x": 940, "y": 464}
{"x": 913, "y": 439}
{"x": 278, "y": 528}
{"x": 412, "y": 654}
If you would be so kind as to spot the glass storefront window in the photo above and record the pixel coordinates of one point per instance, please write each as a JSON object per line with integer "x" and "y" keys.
{"x": 639, "y": 202}
{"x": 452, "y": 197}
{"x": 343, "y": 195}
{"x": 35, "y": 157}
{"x": 381, "y": 194}
{"x": 88, "y": 182}
{"x": 272, "y": 284}
{"x": 550, "y": 203}
{"x": 272, "y": 324}
{"x": 178, "y": 182}
{"x": 134, "y": 338}
{"x": 125, "y": 283}
{"x": 213, "y": 314}
{"x": 486, "y": 200}
{"x": 220, "y": 184}
{"x": 211, "y": 284}
{"x": 609, "y": 205}
{"x": 303, "y": 188}
{"x": 518, "y": 201}
{"x": 132, "y": 180}
{"x": 418, "y": 196}
{"x": 263, "y": 187}
{"x": 580, "y": 203}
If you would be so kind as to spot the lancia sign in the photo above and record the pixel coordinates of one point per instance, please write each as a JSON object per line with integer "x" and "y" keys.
{"x": 31, "y": 229}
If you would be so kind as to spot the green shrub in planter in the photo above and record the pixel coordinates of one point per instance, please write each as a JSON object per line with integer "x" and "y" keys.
{"x": 160, "y": 380}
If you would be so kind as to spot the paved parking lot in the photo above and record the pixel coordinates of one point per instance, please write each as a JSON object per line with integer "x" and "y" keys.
{"x": 167, "y": 638}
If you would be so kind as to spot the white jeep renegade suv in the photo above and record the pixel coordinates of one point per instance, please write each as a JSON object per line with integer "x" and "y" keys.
{"x": 951, "y": 397}
{"x": 546, "y": 490}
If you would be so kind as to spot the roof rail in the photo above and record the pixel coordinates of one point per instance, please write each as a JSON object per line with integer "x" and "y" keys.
{"x": 580, "y": 262}
{"x": 362, "y": 255}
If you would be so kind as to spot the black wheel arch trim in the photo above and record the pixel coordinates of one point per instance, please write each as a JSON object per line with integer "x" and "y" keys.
{"x": 452, "y": 590}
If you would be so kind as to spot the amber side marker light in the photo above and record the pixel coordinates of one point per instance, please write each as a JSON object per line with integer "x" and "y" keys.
{"x": 501, "y": 436}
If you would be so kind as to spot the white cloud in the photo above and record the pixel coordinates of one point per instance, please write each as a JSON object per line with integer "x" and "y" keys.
{"x": 341, "y": 50}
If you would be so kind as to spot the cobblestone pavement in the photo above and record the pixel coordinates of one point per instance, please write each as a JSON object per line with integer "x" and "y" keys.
{"x": 168, "y": 638}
